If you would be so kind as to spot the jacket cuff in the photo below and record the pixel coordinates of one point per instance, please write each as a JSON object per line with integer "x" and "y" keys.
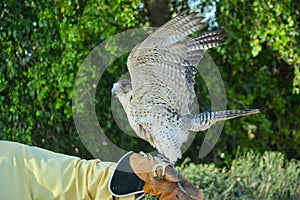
{"x": 124, "y": 181}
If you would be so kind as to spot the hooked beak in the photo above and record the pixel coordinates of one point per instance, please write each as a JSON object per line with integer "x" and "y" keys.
{"x": 114, "y": 91}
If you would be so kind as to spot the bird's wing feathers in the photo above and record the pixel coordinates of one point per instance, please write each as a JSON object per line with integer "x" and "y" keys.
{"x": 158, "y": 65}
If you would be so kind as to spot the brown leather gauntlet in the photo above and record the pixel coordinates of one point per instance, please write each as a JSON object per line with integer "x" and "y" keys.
{"x": 140, "y": 175}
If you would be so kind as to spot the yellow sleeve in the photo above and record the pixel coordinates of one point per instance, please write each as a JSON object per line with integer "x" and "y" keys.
{"x": 33, "y": 173}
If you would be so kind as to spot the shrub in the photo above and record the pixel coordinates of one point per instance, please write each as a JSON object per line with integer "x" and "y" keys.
{"x": 251, "y": 176}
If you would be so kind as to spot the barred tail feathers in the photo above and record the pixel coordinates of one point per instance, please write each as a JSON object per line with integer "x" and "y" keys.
{"x": 203, "y": 121}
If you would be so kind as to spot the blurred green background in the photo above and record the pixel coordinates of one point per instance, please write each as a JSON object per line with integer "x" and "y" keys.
{"x": 43, "y": 43}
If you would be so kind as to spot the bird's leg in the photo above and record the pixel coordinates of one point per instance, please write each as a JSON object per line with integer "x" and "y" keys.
{"x": 163, "y": 164}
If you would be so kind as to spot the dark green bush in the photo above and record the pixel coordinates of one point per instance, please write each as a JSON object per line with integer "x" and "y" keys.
{"x": 42, "y": 46}
{"x": 259, "y": 64}
{"x": 252, "y": 176}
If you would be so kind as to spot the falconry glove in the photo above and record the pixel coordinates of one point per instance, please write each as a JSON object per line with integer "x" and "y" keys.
{"x": 134, "y": 175}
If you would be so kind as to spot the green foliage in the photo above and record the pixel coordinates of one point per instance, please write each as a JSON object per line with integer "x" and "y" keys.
{"x": 272, "y": 26}
{"x": 42, "y": 45}
{"x": 259, "y": 64}
{"x": 251, "y": 176}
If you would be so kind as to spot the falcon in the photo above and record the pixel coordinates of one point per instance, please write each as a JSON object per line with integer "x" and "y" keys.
{"x": 158, "y": 98}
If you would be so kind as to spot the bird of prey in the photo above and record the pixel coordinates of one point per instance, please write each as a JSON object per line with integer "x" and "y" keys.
{"x": 158, "y": 98}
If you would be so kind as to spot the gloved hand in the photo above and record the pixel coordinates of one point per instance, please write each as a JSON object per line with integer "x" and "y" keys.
{"x": 137, "y": 176}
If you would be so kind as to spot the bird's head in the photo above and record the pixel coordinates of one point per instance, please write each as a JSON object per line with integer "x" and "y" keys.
{"x": 121, "y": 88}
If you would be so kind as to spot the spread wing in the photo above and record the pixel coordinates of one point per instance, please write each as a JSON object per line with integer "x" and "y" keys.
{"x": 160, "y": 66}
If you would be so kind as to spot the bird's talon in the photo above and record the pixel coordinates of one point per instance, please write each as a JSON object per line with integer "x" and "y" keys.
{"x": 156, "y": 176}
{"x": 142, "y": 154}
{"x": 163, "y": 171}
{"x": 150, "y": 157}
{"x": 163, "y": 166}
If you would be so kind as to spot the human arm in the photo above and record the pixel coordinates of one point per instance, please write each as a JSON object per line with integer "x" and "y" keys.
{"x": 33, "y": 173}
{"x": 28, "y": 172}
